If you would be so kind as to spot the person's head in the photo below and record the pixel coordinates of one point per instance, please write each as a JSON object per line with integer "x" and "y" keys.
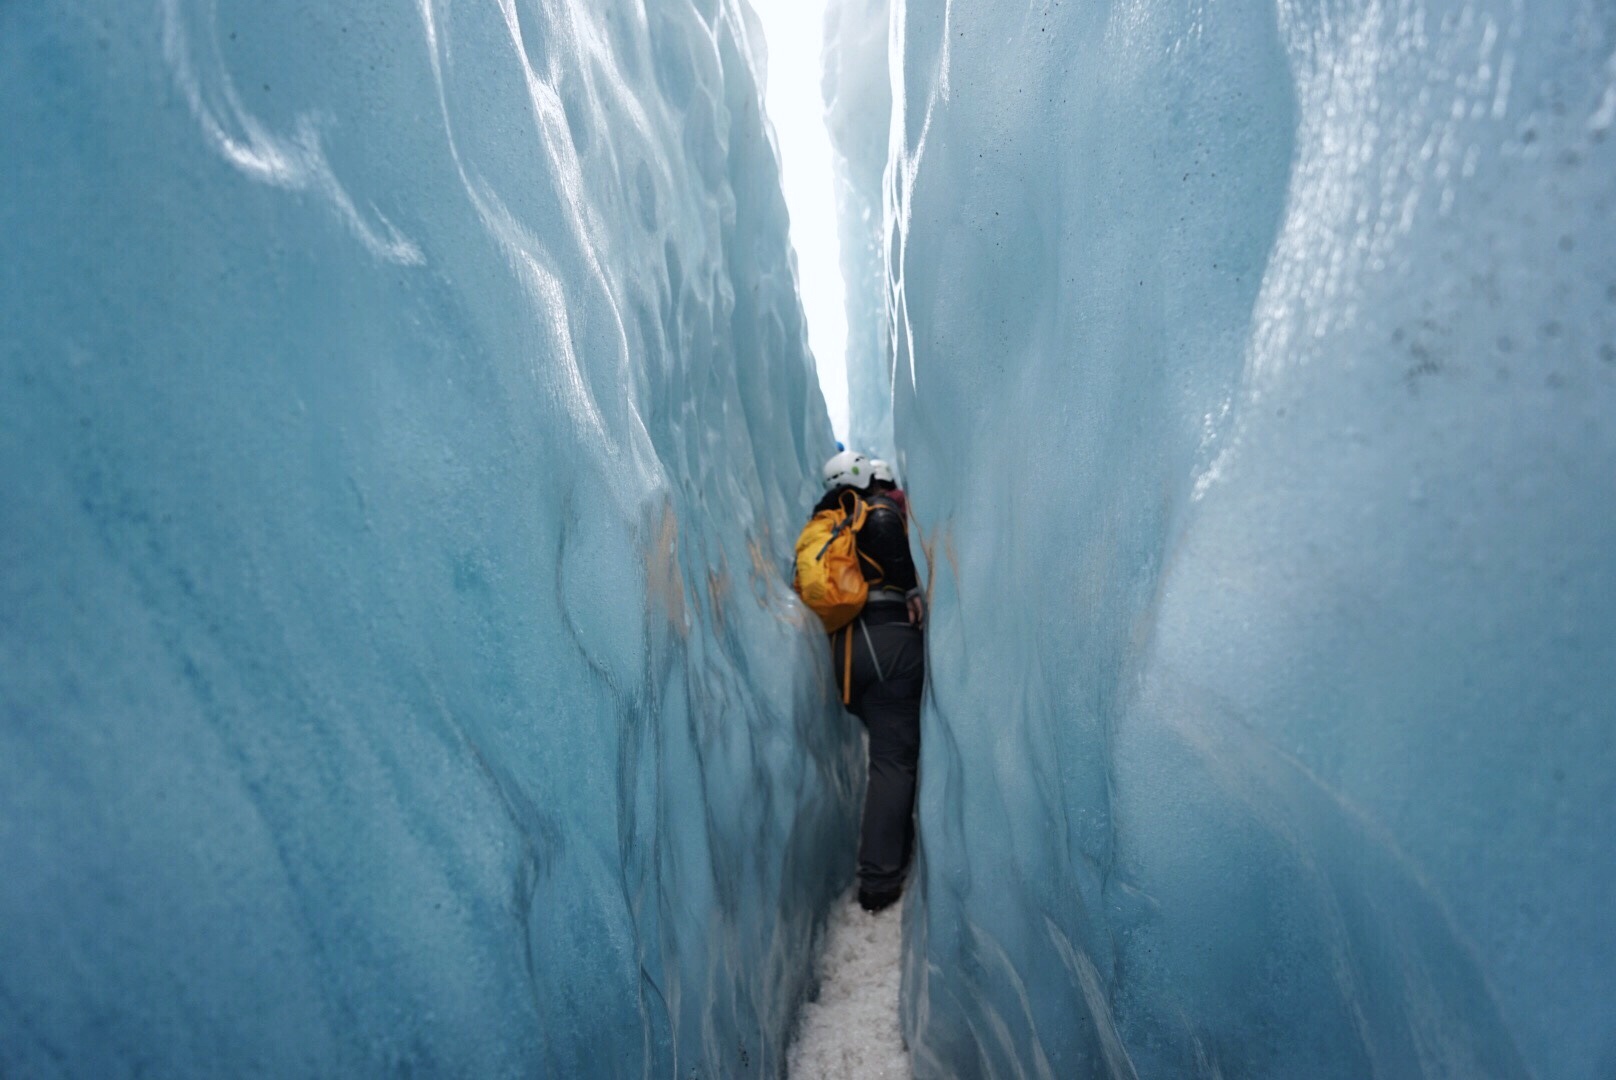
{"x": 881, "y": 476}
{"x": 847, "y": 469}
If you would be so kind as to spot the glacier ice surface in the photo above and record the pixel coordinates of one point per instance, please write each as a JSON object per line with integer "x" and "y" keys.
{"x": 406, "y": 416}
{"x": 1253, "y": 364}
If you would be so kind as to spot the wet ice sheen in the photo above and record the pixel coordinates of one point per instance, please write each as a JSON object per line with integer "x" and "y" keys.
{"x": 406, "y": 417}
{"x": 1254, "y": 367}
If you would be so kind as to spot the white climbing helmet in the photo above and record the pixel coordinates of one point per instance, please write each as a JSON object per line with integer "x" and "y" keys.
{"x": 880, "y": 470}
{"x": 847, "y": 469}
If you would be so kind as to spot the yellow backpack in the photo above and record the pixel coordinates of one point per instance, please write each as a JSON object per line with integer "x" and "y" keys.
{"x": 829, "y": 578}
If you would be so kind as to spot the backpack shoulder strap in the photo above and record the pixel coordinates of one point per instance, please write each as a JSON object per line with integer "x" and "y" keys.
{"x": 857, "y": 513}
{"x": 863, "y": 510}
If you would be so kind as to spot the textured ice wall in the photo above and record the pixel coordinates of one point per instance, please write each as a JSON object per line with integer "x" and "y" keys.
{"x": 1255, "y": 369}
{"x": 406, "y": 415}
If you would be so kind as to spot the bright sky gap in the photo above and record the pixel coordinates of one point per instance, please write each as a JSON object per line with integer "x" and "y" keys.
{"x": 795, "y": 33}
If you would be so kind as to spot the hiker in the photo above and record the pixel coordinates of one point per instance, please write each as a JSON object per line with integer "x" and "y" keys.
{"x": 882, "y": 480}
{"x": 878, "y": 656}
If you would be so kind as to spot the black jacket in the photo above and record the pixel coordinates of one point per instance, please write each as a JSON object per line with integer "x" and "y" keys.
{"x": 883, "y": 539}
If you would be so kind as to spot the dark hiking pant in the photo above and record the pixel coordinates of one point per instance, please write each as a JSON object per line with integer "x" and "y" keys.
{"x": 888, "y": 673}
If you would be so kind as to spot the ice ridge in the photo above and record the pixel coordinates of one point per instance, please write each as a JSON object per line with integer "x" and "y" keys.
{"x": 407, "y": 415}
{"x": 1252, "y": 364}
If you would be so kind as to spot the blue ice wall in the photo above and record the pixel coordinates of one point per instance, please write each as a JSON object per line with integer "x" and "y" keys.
{"x": 406, "y": 416}
{"x": 1255, "y": 365}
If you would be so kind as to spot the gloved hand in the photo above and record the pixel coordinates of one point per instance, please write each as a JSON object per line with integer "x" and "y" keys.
{"x": 917, "y": 607}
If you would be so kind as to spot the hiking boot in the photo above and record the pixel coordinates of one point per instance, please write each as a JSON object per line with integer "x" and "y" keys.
{"x": 877, "y": 901}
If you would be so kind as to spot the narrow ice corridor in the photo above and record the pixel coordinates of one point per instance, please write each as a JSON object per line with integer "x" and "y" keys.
{"x": 407, "y": 408}
{"x": 850, "y": 1030}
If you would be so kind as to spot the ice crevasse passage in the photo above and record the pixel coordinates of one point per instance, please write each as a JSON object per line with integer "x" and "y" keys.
{"x": 406, "y": 418}
{"x": 1252, "y": 365}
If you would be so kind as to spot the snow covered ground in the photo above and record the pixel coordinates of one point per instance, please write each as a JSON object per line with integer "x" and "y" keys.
{"x": 851, "y": 1031}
